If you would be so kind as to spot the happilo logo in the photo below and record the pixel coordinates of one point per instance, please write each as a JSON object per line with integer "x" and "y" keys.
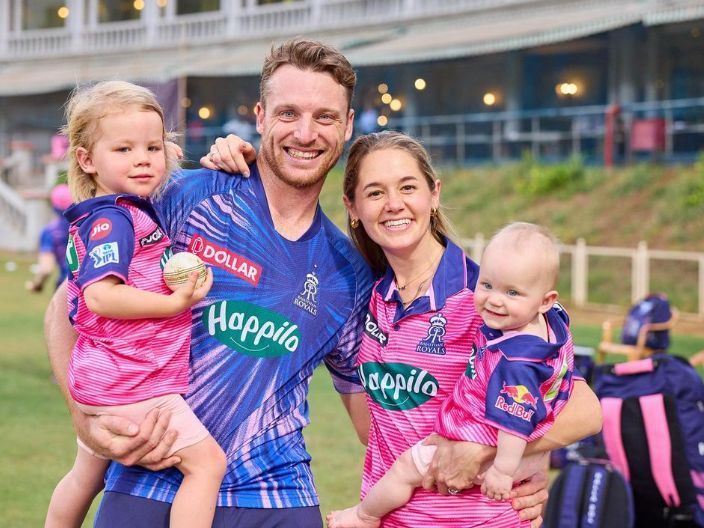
{"x": 397, "y": 386}
{"x": 250, "y": 329}
{"x": 433, "y": 343}
{"x": 307, "y": 299}
{"x": 223, "y": 258}
{"x": 471, "y": 370}
{"x": 72, "y": 255}
{"x": 165, "y": 256}
{"x": 519, "y": 396}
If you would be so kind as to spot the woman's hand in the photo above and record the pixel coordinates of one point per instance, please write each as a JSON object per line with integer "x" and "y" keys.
{"x": 530, "y": 497}
{"x": 455, "y": 464}
{"x": 230, "y": 154}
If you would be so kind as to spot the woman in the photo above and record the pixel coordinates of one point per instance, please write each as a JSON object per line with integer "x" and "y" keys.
{"x": 420, "y": 327}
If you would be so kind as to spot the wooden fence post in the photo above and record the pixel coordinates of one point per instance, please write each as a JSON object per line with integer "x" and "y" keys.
{"x": 579, "y": 273}
{"x": 640, "y": 279}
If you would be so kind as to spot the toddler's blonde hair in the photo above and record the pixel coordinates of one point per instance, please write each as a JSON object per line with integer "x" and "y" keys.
{"x": 84, "y": 110}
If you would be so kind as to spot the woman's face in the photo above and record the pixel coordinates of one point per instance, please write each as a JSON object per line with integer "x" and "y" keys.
{"x": 393, "y": 202}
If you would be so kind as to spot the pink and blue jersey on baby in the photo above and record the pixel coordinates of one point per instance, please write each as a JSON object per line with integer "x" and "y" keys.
{"x": 115, "y": 361}
{"x": 514, "y": 382}
{"x": 277, "y": 310}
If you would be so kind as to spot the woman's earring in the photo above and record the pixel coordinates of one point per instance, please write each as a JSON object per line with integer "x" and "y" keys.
{"x": 354, "y": 223}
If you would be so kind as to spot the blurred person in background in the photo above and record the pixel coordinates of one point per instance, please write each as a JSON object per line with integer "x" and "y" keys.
{"x": 52, "y": 242}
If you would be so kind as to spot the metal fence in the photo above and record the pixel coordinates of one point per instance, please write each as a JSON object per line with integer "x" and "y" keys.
{"x": 556, "y": 133}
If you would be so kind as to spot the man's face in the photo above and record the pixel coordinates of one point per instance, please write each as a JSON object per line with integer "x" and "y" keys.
{"x": 304, "y": 124}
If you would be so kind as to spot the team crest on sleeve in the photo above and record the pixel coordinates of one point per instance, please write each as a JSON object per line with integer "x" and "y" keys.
{"x": 105, "y": 254}
{"x": 307, "y": 299}
{"x": 433, "y": 342}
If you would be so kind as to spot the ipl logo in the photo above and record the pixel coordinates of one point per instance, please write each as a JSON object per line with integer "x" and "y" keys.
{"x": 306, "y": 300}
{"x": 433, "y": 342}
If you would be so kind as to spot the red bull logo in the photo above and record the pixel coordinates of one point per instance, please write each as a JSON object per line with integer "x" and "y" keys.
{"x": 521, "y": 396}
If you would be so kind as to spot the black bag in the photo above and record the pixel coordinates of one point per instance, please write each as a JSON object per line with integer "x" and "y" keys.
{"x": 589, "y": 494}
{"x": 653, "y": 413}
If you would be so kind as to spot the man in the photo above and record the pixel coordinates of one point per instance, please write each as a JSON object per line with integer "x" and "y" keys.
{"x": 289, "y": 292}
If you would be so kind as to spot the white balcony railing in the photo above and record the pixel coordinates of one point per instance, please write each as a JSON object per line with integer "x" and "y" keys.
{"x": 234, "y": 23}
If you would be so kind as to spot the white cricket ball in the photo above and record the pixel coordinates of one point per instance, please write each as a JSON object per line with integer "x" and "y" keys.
{"x": 179, "y": 267}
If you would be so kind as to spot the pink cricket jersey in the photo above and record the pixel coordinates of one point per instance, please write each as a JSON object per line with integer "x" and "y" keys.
{"x": 118, "y": 361}
{"x": 409, "y": 363}
{"x": 514, "y": 382}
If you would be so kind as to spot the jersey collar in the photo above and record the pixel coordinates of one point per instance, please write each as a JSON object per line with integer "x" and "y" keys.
{"x": 260, "y": 193}
{"x": 530, "y": 347}
{"x": 86, "y": 207}
{"x": 454, "y": 273}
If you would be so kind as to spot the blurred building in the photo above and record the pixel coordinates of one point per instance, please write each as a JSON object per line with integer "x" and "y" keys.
{"x": 477, "y": 80}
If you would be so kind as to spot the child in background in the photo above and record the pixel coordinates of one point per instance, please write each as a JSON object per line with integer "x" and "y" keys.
{"x": 52, "y": 242}
{"x": 133, "y": 346}
{"x": 518, "y": 378}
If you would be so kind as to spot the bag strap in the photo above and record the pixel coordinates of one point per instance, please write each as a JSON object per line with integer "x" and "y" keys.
{"x": 659, "y": 447}
{"x": 611, "y": 431}
{"x": 572, "y": 493}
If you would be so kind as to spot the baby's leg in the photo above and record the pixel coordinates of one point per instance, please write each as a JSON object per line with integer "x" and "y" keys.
{"x": 75, "y": 492}
{"x": 203, "y": 466}
{"x": 392, "y": 491}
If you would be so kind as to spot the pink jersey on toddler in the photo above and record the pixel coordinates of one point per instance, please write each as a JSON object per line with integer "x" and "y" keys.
{"x": 117, "y": 361}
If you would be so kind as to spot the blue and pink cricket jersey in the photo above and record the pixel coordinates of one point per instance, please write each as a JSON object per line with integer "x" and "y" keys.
{"x": 277, "y": 310}
{"x": 117, "y": 361}
{"x": 514, "y": 382}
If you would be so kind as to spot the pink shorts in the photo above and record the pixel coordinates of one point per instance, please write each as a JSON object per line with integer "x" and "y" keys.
{"x": 183, "y": 421}
{"x": 422, "y": 456}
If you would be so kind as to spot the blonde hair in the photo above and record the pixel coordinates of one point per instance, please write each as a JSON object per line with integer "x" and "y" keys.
{"x": 524, "y": 235}
{"x": 362, "y": 147}
{"x": 309, "y": 55}
{"x": 84, "y": 110}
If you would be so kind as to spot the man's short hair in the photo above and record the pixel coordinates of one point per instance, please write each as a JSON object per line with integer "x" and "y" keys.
{"x": 309, "y": 55}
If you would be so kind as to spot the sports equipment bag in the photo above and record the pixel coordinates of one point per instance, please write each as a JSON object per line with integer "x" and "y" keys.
{"x": 653, "y": 432}
{"x": 589, "y": 494}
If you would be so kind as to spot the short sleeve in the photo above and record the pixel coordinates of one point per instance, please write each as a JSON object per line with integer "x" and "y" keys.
{"x": 342, "y": 361}
{"x": 108, "y": 237}
{"x": 513, "y": 401}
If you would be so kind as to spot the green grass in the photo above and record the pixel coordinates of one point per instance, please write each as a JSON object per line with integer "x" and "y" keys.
{"x": 39, "y": 443}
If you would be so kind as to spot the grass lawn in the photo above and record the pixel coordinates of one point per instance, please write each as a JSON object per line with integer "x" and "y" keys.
{"x": 39, "y": 443}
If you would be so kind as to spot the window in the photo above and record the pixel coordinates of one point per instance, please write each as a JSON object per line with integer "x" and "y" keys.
{"x": 186, "y": 7}
{"x": 43, "y": 14}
